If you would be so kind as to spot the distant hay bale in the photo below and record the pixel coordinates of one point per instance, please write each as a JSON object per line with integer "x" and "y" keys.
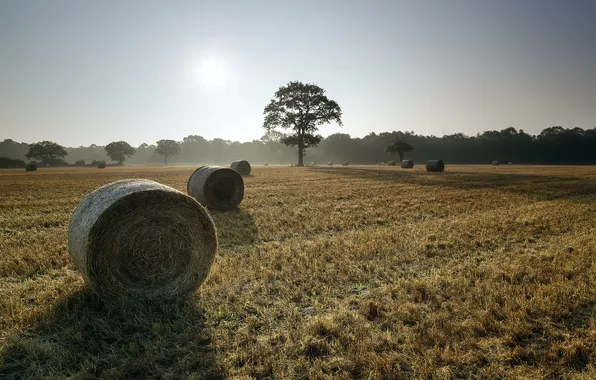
{"x": 265, "y": 164}
{"x": 101, "y": 165}
{"x": 345, "y": 163}
{"x": 31, "y": 167}
{"x": 137, "y": 238}
{"x": 435, "y": 166}
{"x": 241, "y": 166}
{"x": 382, "y": 162}
{"x": 216, "y": 187}
{"x": 510, "y": 163}
{"x": 313, "y": 163}
{"x": 496, "y": 163}
{"x": 407, "y": 164}
{"x": 391, "y": 163}
{"x": 330, "y": 163}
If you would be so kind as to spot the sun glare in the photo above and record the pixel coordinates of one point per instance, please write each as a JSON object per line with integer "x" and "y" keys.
{"x": 213, "y": 73}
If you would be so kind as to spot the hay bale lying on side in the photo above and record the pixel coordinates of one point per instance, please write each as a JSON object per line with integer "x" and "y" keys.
{"x": 510, "y": 163}
{"x": 330, "y": 163}
{"x": 345, "y": 163}
{"x": 242, "y": 167}
{"x": 407, "y": 164}
{"x": 391, "y": 163}
{"x": 435, "y": 166}
{"x": 313, "y": 163}
{"x": 101, "y": 165}
{"x": 137, "y": 238}
{"x": 496, "y": 163}
{"x": 265, "y": 164}
{"x": 31, "y": 167}
{"x": 216, "y": 187}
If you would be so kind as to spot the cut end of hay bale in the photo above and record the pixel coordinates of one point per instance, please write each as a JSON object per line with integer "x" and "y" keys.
{"x": 435, "y": 166}
{"x": 141, "y": 239}
{"x": 216, "y": 187}
{"x": 407, "y": 164}
{"x": 31, "y": 167}
{"x": 391, "y": 163}
{"x": 241, "y": 166}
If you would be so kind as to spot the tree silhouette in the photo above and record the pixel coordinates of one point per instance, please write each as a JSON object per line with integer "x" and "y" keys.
{"x": 399, "y": 147}
{"x": 301, "y": 108}
{"x": 119, "y": 151}
{"x": 167, "y": 148}
{"x": 47, "y": 152}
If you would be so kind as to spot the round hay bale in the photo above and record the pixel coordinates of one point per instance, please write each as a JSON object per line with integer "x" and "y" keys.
{"x": 265, "y": 164}
{"x": 137, "y": 238}
{"x": 242, "y": 167}
{"x": 216, "y": 187}
{"x": 345, "y": 163}
{"x": 31, "y": 167}
{"x": 435, "y": 166}
{"x": 101, "y": 165}
{"x": 407, "y": 164}
{"x": 330, "y": 163}
{"x": 382, "y": 162}
{"x": 313, "y": 163}
{"x": 496, "y": 163}
{"x": 391, "y": 163}
{"x": 510, "y": 163}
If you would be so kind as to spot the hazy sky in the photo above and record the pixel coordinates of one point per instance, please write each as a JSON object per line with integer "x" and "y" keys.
{"x": 82, "y": 72}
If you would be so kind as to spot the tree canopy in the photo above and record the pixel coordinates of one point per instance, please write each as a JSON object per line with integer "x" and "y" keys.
{"x": 48, "y": 152}
{"x": 400, "y": 147}
{"x": 301, "y": 108}
{"x": 167, "y": 148}
{"x": 119, "y": 151}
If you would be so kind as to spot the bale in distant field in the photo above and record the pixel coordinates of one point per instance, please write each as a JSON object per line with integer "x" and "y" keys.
{"x": 313, "y": 163}
{"x": 391, "y": 163}
{"x": 345, "y": 163}
{"x": 510, "y": 163}
{"x": 31, "y": 167}
{"x": 330, "y": 163}
{"x": 435, "y": 166}
{"x": 265, "y": 164}
{"x": 242, "y": 167}
{"x": 137, "y": 238}
{"x": 216, "y": 187}
{"x": 101, "y": 165}
{"x": 383, "y": 163}
{"x": 496, "y": 163}
{"x": 407, "y": 164}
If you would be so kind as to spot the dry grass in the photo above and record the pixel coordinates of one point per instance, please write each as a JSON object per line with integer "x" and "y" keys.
{"x": 347, "y": 272}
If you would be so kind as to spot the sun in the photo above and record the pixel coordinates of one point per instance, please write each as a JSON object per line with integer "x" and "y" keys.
{"x": 213, "y": 73}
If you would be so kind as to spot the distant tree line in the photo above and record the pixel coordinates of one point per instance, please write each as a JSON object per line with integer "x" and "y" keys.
{"x": 554, "y": 145}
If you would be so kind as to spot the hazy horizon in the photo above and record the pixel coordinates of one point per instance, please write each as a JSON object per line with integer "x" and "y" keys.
{"x": 82, "y": 73}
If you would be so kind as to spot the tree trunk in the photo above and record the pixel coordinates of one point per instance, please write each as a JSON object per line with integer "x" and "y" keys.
{"x": 300, "y": 151}
{"x": 401, "y": 156}
{"x": 166, "y": 157}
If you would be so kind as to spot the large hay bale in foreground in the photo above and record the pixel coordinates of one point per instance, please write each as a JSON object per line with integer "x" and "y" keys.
{"x": 435, "y": 166}
{"x": 31, "y": 167}
{"x": 407, "y": 164}
{"x": 496, "y": 163}
{"x": 137, "y": 238}
{"x": 391, "y": 163}
{"x": 216, "y": 187}
{"x": 242, "y": 167}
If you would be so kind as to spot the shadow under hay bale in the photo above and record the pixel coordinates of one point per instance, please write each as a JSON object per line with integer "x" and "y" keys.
{"x": 82, "y": 337}
{"x": 216, "y": 188}
{"x": 242, "y": 167}
{"x": 435, "y": 166}
{"x": 407, "y": 164}
{"x": 391, "y": 163}
{"x": 31, "y": 167}
{"x": 496, "y": 163}
{"x": 235, "y": 228}
{"x": 138, "y": 238}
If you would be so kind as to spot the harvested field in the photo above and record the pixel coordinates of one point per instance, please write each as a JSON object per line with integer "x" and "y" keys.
{"x": 343, "y": 272}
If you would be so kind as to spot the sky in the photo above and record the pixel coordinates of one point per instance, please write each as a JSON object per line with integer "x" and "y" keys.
{"x": 92, "y": 72}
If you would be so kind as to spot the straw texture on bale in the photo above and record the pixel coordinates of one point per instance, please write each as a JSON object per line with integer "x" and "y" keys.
{"x": 345, "y": 163}
{"x": 407, "y": 164}
{"x": 242, "y": 167}
{"x": 496, "y": 163}
{"x": 140, "y": 239}
{"x": 216, "y": 187}
{"x": 391, "y": 163}
{"x": 31, "y": 167}
{"x": 435, "y": 166}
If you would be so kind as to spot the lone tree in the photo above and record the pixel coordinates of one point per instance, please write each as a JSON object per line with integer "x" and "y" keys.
{"x": 119, "y": 151}
{"x": 400, "y": 147}
{"x": 301, "y": 108}
{"x": 47, "y": 152}
{"x": 167, "y": 148}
